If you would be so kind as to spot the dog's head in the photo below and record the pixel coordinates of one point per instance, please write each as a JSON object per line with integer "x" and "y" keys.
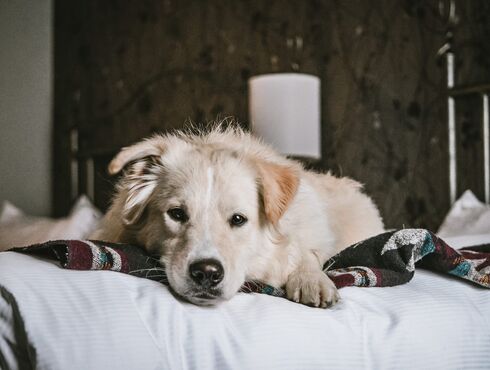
{"x": 205, "y": 204}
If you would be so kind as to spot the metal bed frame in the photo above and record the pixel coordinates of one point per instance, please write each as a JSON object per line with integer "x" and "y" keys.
{"x": 453, "y": 92}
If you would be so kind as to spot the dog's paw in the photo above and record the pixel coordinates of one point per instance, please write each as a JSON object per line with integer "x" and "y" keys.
{"x": 312, "y": 289}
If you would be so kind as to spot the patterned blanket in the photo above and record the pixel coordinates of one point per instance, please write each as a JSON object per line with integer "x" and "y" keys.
{"x": 385, "y": 260}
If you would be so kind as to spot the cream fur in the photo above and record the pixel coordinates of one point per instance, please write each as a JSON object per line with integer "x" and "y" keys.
{"x": 296, "y": 219}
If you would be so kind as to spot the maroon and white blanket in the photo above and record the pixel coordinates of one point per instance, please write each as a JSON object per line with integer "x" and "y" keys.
{"x": 387, "y": 259}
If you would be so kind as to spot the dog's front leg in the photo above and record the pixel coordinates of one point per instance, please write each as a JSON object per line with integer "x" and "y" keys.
{"x": 309, "y": 285}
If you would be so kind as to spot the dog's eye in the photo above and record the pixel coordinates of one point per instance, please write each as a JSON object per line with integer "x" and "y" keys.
{"x": 238, "y": 220}
{"x": 178, "y": 214}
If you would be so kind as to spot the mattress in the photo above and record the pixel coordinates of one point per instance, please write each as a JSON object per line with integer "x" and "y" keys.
{"x": 52, "y": 318}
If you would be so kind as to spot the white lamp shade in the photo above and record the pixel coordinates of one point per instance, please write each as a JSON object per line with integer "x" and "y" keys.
{"x": 284, "y": 110}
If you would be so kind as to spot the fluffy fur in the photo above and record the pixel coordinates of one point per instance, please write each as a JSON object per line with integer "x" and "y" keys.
{"x": 297, "y": 219}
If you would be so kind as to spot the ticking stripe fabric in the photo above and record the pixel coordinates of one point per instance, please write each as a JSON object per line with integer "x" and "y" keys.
{"x": 102, "y": 320}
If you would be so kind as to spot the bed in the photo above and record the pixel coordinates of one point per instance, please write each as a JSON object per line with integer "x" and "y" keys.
{"x": 51, "y": 318}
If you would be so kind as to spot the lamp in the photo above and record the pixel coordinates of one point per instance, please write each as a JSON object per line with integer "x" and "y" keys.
{"x": 284, "y": 110}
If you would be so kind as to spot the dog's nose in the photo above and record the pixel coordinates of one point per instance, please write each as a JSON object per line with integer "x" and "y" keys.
{"x": 207, "y": 272}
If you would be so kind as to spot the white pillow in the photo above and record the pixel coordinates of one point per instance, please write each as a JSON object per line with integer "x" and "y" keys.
{"x": 468, "y": 216}
{"x": 9, "y": 213}
{"x": 18, "y": 229}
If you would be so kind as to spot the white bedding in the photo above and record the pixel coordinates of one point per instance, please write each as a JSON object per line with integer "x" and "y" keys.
{"x": 108, "y": 320}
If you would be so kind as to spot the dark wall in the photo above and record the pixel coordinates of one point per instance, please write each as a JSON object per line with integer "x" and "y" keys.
{"x": 126, "y": 69}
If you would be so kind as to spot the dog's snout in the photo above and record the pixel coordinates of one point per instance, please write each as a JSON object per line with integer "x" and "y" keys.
{"x": 207, "y": 272}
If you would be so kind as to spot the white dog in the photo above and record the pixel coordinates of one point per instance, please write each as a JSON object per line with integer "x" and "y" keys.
{"x": 222, "y": 208}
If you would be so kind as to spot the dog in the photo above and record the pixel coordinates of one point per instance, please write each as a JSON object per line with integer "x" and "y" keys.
{"x": 221, "y": 208}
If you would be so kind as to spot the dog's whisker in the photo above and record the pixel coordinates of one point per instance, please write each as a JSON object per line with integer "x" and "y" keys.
{"x": 150, "y": 269}
{"x": 155, "y": 276}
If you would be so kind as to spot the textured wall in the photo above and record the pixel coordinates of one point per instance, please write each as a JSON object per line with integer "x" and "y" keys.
{"x": 126, "y": 69}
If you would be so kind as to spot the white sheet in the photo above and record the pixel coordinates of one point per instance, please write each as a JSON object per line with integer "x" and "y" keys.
{"x": 467, "y": 240}
{"x": 108, "y": 320}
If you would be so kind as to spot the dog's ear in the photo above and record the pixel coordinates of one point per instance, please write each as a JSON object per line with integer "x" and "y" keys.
{"x": 141, "y": 178}
{"x": 152, "y": 147}
{"x": 139, "y": 183}
{"x": 279, "y": 185}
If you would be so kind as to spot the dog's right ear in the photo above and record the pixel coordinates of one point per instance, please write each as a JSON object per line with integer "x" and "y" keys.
{"x": 142, "y": 178}
{"x": 152, "y": 147}
{"x": 279, "y": 184}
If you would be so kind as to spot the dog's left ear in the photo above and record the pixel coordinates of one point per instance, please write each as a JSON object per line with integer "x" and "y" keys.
{"x": 142, "y": 177}
{"x": 151, "y": 147}
{"x": 279, "y": 186}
